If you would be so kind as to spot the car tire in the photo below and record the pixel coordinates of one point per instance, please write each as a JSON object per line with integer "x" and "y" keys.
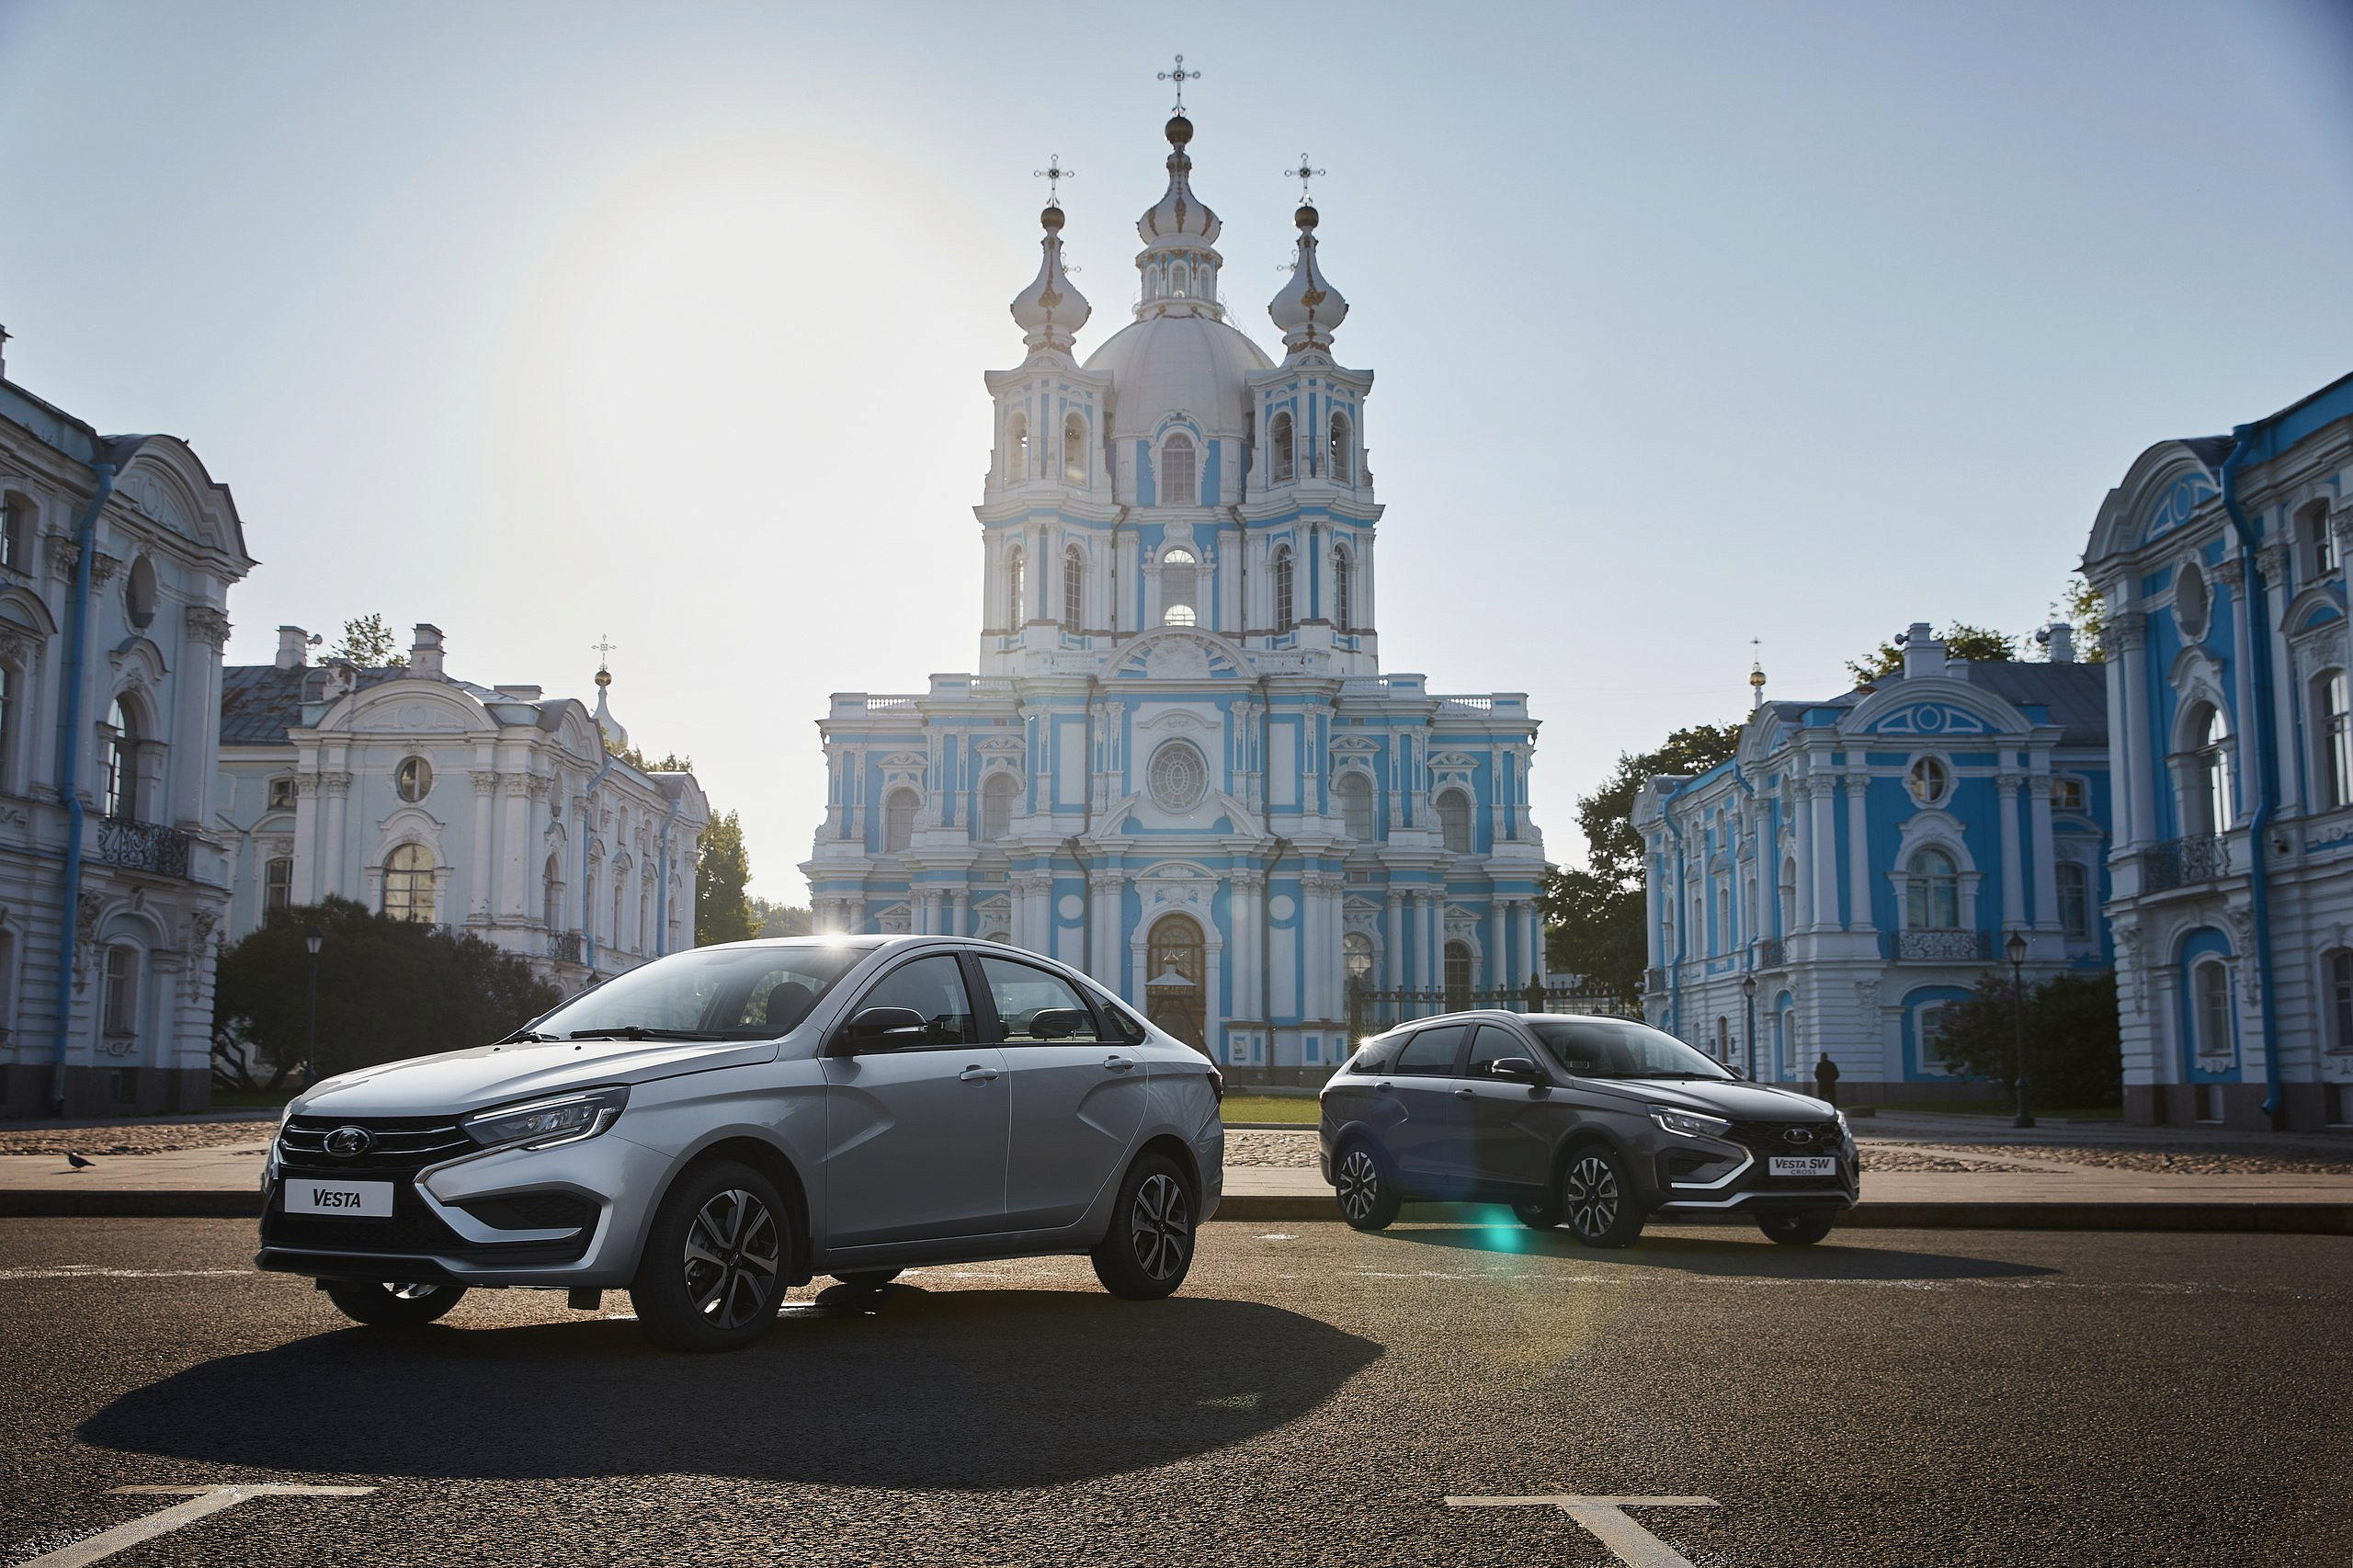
{"x": 382, "y": 1303}
{"x": 1363, "y": 1182}
{"x": 1801, "y": 1229}
{"x": 1538, "y": 1213}
{"x": 1149, "y": 1249}
{"x": 869, "y": 1278}
{"x": 1598, "y": 1197}
{"x": 717, "y": 1259}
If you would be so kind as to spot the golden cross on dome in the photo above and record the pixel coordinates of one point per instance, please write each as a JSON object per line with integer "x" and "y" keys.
{"x": 1180, "y": 76}
{"x": 1053, "y": 174}
{"x": 604, "y": 646}
{"x": 1303, "y": 174}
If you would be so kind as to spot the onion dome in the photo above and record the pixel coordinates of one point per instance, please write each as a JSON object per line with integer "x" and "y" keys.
{"x": 1178, "y": 215}
{"x": 1308, "y": 309}
{"x": 1051, "y": 310}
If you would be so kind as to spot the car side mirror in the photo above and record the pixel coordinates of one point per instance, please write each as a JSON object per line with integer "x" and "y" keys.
{"x": 1059, "y": 1023}
{"x": 1520, "y": 1069}
{"x": 880, "y": 1028}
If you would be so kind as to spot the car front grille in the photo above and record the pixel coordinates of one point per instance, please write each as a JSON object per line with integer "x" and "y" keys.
{"x": 1765, "y": 1138}
{"x": 401, "y": 1145}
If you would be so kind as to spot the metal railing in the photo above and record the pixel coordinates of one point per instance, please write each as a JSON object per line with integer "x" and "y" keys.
{"x": 565, "y": 946}
{"x": 2182, "y": 862}
{"x": 144, "y": 846}
{"x": 1369, "y": 1012}
{"x": 1940, "y": 947}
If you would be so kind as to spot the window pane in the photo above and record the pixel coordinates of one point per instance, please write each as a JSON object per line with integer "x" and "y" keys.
{"x": 1430, "y": 1055}
{"x": 1036, "y": 1008}
{"x": 1492, "y": 1044}
{"x": 934, "y": 987}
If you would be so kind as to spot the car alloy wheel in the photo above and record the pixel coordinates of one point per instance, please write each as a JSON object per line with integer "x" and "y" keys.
{"x": 1359, "y": 1184}
{"x": 1160, "y": 1226}
{"x": 732, "y": 1258}
{"x": 1590, "y": 1196}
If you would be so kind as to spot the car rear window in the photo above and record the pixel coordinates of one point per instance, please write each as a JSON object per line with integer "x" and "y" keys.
{"x": 1430, "y": 1053}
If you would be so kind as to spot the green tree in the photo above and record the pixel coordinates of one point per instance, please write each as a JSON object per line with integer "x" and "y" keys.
{"x": 367, "y": 642}
{"x": 387, "y": 989}
{"x": 1592, "y": 917}
{"x": 670, "y": 762}
{"x": 722, "y": 914}
{"x": 2074, "y": 1051}
{"x": 1976, "y": 643}
{"x": 781, "y": 919}
{"x": 2082, "y": 607}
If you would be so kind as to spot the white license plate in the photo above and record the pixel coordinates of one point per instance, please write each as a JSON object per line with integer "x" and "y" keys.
{"x": 1803, "y": 1165}
{"x": 339, "y": 1199}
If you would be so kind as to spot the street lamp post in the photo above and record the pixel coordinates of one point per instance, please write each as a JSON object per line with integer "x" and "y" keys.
{"x": 1749, "y": 994}
{"x": 2015, "y": 949}
{"x": 312, "y": 939}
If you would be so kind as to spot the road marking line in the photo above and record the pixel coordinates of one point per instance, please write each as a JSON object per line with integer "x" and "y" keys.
{"x": 1604, "y": 1521}
{"x": 92, "y": 1271}
{"x": 201, "y": 1500}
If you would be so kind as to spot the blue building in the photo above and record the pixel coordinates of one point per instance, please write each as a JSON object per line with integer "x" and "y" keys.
{"x": 2221, "y": 562}
{"x": 1860, "y": 863}
{"x": 1179, "y": 766}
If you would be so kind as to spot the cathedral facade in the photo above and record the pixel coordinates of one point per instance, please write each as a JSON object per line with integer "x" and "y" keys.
{"x": 1179, "y": 766}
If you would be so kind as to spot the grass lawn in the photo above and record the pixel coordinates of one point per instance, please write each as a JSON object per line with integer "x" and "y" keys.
{"x": 1302, "y": 1109}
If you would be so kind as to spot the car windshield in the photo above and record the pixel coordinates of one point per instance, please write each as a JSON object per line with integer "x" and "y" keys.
{"x": 1619, "y": 1048}
{"x": 716, "y": 994}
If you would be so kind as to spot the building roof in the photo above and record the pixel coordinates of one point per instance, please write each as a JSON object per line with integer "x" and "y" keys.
{"x": 259, "y": 703}
{"x": 2075, "y": 695}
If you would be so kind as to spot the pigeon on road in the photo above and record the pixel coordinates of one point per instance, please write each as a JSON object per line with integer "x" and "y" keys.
{"x": 78, "y": 1162}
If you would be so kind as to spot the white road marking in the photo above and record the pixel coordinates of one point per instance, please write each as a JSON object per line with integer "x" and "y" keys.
{"x": 91, "y": 1271}
{"x": 1280, "y": 1236}
{"x": 1604, "y": 1519}
{"x": 201, "y": 1500}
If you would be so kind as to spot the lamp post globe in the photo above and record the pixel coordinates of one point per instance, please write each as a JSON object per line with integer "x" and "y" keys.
{"x": 312, "y": 941}
{"x": 2014, "y": 948}
{"x": 1748, "y": 1038}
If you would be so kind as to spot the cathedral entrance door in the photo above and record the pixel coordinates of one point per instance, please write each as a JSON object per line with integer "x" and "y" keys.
{"x": 1175, "y": 998}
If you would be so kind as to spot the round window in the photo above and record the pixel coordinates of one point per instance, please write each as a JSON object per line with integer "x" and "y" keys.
{"x": 1930, "y": 781}
{"x": 414, "y": 779}
{"x": 2191, "y": 601}
{"x": 1178, "y": 777}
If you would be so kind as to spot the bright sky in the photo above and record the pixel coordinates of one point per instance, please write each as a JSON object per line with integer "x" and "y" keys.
{"x": 1693, "y": 323}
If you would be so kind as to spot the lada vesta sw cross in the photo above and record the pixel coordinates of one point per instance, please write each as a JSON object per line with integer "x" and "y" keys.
{"x": 1595, "y": 1124}
{"x": 719, "y": 1125}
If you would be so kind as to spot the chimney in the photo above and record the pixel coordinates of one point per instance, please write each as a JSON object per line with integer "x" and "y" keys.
{"x": 1924, "y": 656}
{"x": 293, "y": 647}
{"x": 425, "y": 655}
{"x": 2061, "y": 640}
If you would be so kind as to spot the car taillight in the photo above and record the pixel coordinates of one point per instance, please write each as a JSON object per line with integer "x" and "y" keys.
{"x": 1217, "y": 1084}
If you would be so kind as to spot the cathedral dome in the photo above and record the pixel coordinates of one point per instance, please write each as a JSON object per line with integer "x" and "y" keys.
{"x": 1172, "y": 360}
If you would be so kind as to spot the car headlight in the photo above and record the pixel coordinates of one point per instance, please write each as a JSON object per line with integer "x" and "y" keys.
{"x": 542, "y": 1124}
{"x": 1690, "y": 1123}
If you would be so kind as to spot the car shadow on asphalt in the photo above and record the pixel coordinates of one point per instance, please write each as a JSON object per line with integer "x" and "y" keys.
{"x": 1732, "y": 1255}
{"x": 956, "y": 1390}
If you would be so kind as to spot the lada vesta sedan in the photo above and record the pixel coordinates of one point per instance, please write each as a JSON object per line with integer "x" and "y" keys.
{"x": 719, "y": 1125}
{"x": 1595, "y": 1124}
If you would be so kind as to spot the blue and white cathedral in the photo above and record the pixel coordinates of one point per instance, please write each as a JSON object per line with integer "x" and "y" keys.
{"x": 1179, "y": 767}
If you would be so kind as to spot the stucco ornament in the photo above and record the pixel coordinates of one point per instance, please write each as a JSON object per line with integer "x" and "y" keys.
{"x": 1178, "y": 777}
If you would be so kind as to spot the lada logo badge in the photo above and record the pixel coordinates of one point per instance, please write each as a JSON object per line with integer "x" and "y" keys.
{"x": 1798, "y": 1135}
{"x": 346, "y": 1142}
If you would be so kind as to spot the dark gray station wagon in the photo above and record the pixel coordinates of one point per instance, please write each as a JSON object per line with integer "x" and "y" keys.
{"x": 1595, "y": 1124}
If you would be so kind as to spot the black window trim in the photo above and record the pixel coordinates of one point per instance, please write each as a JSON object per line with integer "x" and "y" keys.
{"x": 984, "y": 1002}
{"x": 1461, "y": 1048}
{"x": 981, "y": 1022}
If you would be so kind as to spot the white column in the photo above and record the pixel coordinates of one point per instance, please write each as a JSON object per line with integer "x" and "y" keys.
{"x": 1106, "y": 894}
{"x": 1859, "y": 852}
{"x": 2013, "y": 892}
{"x": 2142, "y": 754}
{"x": 2046, "y": 863}
{"x": 515, "y": 868}
{"x": 338, "y": 790}
{"x": 1392, "y": 936}
{"x": 959, "y": 919}
{"x": 1539, "y": 964}
{"x": 482, "y": 853}
{"x": 1244, "y": 889}
{"x": 1825, "y": 853}
{"x": 1801, "y": 914}
{"x": 1434, "y": 939}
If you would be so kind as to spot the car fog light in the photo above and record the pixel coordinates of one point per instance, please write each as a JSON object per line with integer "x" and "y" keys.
{"x": 1690, "y": 1123}
{"x": 541, "y": 1124}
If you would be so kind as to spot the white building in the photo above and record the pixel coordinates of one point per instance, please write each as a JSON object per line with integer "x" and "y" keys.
{"x": 494, "y": 810}
{"x": 115, "y": 557}
{"x": 1179, "y": 766}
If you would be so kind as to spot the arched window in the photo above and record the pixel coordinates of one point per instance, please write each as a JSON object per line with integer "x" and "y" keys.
{"x": 1931, "y": 1025}
{"x": 1356, "y": 956}
{"x": 898, "y": 822}
{"x": 2333, "y": 726}
{"x": 16, "y": 534}
{"x": 2212, "y": 982}
{"x": 120, "y": 1019}
{"x": 1930, "y": 781}
{"x": 551, "y": 895}
{"x": 1932, "y": 894}
{"x": 2075, "y": 900}
{"x": 278, "y": 884}
{"x": 1280, "y": 456}
{"x": 1788, "y": 894}
{"x": 121, "y": 781}
{"x": 1341, "y": 574}
{"x": 1283, "y": 619}
{"x": 2336, "y": 977}
{"x": 2209, "y": 783}
{"x": 1461, "y": 974}
{"x": 2317, "y": 542}
{"x": 1017, "y": 597}
{"x": 1356, "y": 803}
{"x": 139, "y": 593}
{"x": 1177, "y": 478}
{"x": 1016, "y": 446}
{"x": 412, "y": 780}
{"x": 620, "y": 893}
{"x": 1074, "y": 590}
{"x": 408, "y": 883}
{"x": 997, "y": 795}
{"x": 2190, "y": 600}
{"x": 1180, "y": 587}
{"x": 1343, "y": 465}
{"x": 1074, "y": 449}
{"x": 1454, "y": 821}
{"x": 1180, "y": 280}
{"x": 1176, "y": 971}
{"x": 8, "y": 728}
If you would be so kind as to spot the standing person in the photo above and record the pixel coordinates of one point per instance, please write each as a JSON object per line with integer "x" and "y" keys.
{"x": 1534, "y": 994}
{"x": 1825, "y": 1081}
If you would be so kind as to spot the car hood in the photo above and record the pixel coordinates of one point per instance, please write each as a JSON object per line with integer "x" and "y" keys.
{"x": 457, "y": 1082}
{"x": 1739, "y": 1101}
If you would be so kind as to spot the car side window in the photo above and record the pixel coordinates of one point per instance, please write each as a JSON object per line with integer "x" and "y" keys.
{"x": 1430, "y": 1053}
{"x": 1036, "y": 1008}
{"x": 933, "y": 987}
{"x": 1118, "y": 1024}
{"x": 1492, "y": 1044}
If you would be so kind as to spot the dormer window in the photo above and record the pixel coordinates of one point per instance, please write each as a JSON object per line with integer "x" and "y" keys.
{"x": 1279, "y": 455}
{"x": 1177, "y": 481}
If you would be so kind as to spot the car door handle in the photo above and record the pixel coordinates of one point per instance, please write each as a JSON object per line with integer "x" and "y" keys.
{"x": 976, "y": 1073}
{"x": 1117, "y": 1063}
{"x": 1384, "y": 1088}
{"x": 1466, "y": 1094}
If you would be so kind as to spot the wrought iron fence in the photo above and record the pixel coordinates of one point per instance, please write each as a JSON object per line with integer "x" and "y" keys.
{"x": 1940, "y": 947}
{"x": 565, "y": 946}
{"x": 1369, "y": 1011}
{"x": 2179, "y": 862}
{"x": 144, "y": 846}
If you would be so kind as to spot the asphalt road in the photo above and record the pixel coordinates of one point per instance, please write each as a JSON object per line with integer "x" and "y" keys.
{"x": 1313, "y": 1396}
